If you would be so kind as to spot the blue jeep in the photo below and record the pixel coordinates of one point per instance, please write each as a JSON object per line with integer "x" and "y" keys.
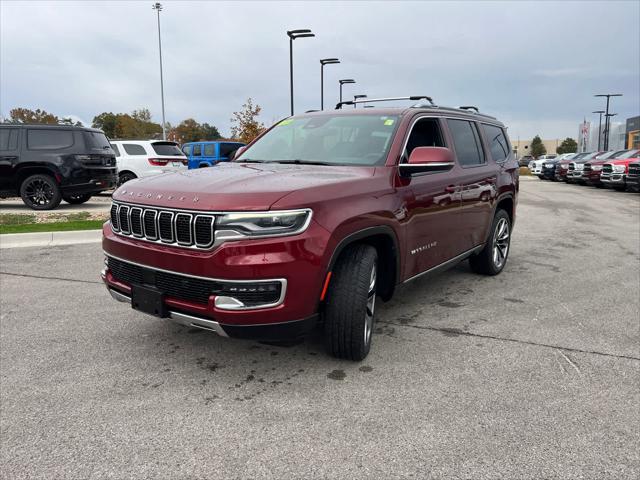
{"x": 206, "y": 154}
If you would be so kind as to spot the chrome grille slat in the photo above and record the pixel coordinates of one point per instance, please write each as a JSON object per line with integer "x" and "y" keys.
{"x": 180, "y": 228}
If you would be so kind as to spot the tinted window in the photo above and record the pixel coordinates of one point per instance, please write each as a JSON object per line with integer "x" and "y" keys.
{"x": 49, "y": 139}
{"x": 96, "y": 140}
{"x": 466, "y": 142}
{"x": 197, "y": 150}
{"x": 186, "y": 150}
{"x": 133, "y": 149}
{"x": 209, "y": 150}
{"x": 226, "y": 149}
{"x": 8, "y": 138}
{"x": 166, "y": 148}
{"x": 497, "y": 141}
{"x": 115, "y": 149}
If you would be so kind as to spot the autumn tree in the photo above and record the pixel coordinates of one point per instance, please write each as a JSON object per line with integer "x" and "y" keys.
{"x": 245, "y": 125}
{"x": 25, "y": 115}
{"x": 138, "y": 124}
{"x": 190, "y": 131}
{"x": 568, "y": 145}
{"x": 537, "y": 148}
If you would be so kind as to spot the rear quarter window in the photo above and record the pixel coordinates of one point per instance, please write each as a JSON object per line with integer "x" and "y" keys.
{"x": 134, "y": 149}
{"x": 227, "y": 149}
{"x": 115, "y": 149}
{"x": 49, "y": 139}
{"x": 8, "y": 139}
{"x": 497, "y": 141}
{"x": 96, "y": 140}
{"x": 209, "y": 150}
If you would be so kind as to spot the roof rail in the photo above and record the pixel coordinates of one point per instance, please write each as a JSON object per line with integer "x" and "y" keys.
{"x": 389, "y": 99}
{"x": 469, "y": 107}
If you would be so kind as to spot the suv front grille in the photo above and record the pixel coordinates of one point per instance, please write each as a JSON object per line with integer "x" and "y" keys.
{"x": 587, "y": 168}
{"x": 182, "y": 287}
{"x": 634, "y": 170}
{"x": 607, "y": 170}
{"x": 159, "y": 225}
{"x": 572, "y": 167}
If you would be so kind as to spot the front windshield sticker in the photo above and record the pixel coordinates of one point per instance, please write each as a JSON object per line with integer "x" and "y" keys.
{"x": 285, "y": 122}
{"x": 388, "y": 121}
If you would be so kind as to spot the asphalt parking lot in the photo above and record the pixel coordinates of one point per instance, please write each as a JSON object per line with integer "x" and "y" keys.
{"x": 530, "y": 374}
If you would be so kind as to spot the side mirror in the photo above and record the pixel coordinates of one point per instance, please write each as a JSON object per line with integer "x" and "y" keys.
{"x": 236, "y": 153}
{"x": 428, "y": 160}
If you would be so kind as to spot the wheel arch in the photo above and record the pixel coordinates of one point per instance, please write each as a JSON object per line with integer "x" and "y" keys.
{"x": 26, "y": 171}
{"x": 384, "y": 239}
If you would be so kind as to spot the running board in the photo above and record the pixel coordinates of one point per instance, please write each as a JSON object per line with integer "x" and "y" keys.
{"x": 446, "y": 265}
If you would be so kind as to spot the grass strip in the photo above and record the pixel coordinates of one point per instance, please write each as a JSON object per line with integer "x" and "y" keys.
{"x": 52, "y": 227}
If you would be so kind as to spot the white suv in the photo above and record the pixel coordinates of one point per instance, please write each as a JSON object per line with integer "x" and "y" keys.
{"x": 143, "y": 158}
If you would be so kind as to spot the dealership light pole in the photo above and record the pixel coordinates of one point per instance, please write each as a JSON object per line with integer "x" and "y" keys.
{"x": 606, "y": 128}
{"x": 356, "y": 97}
{"x": 323, "y": 62}
{"x": 599, "y": 126}
{"x": 342, "y": 82}
{"x": 158, "y": 8}
{"x": 293, "y": 34}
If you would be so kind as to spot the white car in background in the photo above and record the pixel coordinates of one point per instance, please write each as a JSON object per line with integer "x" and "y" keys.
{"x": 143, "y": 158}
{"x": 536, "y": 165}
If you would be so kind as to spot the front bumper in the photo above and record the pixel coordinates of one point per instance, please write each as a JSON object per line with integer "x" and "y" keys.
{"x": 574, "y": 176}
{"x": 299, "y": 260}
{"x": 614, "y": 179}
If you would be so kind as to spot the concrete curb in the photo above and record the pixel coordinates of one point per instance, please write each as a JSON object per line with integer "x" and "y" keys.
{"x": 49, "y": 239}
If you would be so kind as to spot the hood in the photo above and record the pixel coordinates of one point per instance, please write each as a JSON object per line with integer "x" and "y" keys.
{"x": 234, "y": 186}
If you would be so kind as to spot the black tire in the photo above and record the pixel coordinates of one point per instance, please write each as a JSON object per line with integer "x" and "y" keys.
{"x": 486, "y": 262}
{"x": 619, "y": 188}
{"x": 77, "y": 199}
{"x": 350, "y": 303}
{"x": 124, "y": 177}
{"x": 540, "y": 177}
{"x": 40, "y": 192}
{"x": 203, "y": 165}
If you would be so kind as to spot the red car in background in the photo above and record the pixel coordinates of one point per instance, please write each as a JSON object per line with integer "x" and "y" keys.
{"x": 592, "y": 169}
{"x": 614, "y": 172}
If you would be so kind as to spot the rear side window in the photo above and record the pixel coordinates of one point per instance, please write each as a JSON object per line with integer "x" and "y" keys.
{"x": 49, "y": 139}
{"x": 133, "y": 149}
{"x": 8, "y": 138}
{"x": 497, "y": 140}
{"x": 115, "y": 149}
{"x": 209, "y": 150}
{"x": 466, "y": 142}
{"x": 166, "y": 148}
{"x": 187, "y": 150}
{"x": 227, "y": 149}
{"x": 96, "y": 140}
{"x": 197, "y": 150}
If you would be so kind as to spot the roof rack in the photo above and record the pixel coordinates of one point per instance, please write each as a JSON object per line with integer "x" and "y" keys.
{"x": 469, "y": 107}
{"x": 389, "y": 99}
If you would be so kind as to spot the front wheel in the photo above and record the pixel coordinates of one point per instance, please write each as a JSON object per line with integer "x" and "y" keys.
{"x": 493, "y": 257}
{"x": 125, "y": 177}
{"x": 350, "y": 305}
{"x": 77, "y": 199}
{"x": 40, "y": 192}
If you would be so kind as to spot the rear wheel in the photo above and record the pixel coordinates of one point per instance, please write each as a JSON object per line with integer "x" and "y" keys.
{"x": 40, "y": 192}
{"x": 350, "y": 305}
{"x": 77, "y": 199}
{"x": 124, "y": 177}
{"x": 493, "y": 257}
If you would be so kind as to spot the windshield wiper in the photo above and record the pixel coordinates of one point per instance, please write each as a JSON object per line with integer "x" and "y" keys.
{"x": 249, "y": 160}
{"x": 303, "y": 162}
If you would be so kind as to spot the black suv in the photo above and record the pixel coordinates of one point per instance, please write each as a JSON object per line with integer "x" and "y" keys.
{"x": 49, "y": 163}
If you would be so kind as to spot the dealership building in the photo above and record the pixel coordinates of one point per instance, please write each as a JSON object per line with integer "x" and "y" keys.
{"x": 632, "y": 132}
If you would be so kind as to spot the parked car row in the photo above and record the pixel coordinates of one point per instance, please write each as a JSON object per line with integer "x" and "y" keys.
{"x": 45, "y": 164}
{"x": 616, "y": 169}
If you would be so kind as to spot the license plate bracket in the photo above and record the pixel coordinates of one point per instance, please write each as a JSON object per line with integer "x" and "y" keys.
{"x": 148, "y": 300}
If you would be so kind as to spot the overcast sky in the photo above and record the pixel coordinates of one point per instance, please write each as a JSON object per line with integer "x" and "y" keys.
{"x": 534, "y": 65}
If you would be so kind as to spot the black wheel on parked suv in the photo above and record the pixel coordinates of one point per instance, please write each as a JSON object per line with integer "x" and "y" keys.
{"x": 124, "y": 177}
{"x": 40, "y": 192}
{"x": 77, "y": 199}
{"x": 350, "y": 304}
{"x": 493, "y": 257}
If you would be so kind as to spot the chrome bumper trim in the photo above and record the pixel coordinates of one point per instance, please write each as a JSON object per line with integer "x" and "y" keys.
{"x": 177, "y": 317}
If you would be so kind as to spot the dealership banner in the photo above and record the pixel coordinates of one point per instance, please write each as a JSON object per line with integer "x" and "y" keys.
{"x": 583, "y": 136}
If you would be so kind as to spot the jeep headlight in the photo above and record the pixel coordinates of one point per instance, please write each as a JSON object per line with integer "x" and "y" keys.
{"x": 264, "y": 224}
{"x": 618, "y": 169}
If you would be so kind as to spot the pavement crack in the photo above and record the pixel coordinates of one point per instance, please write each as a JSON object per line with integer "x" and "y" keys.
{"x": 50, "y": 278}
{"x": 456, "y": 331}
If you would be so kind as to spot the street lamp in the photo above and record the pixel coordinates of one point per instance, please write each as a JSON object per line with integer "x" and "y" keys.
{"x": 158, "y": 8}
{"x": 606, "y": 128}
{"x": 293, "y": 34}
{"x": 323, "y": 62}
{"x": 342, "y": 82}
{"x": 599, "y": 126}
{"x": 356, "y": 97}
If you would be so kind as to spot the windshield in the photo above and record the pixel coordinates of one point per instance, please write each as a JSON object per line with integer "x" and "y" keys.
{"x": 627, "y": 154}
{"x": 167, "y": 148}
{"x": 326, "y": 139}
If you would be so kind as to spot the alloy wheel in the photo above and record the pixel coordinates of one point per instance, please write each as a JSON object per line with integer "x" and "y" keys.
{"x": 371, "y": 305}
{"x": 39, "y": 192}
{"x": 501, "y": 239}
